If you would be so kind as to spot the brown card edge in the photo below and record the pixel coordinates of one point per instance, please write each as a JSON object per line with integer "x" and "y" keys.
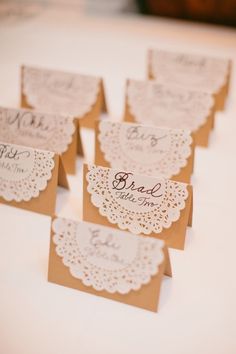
{"x": 80, "y": 149}
{"x": 104, "y": 102}
{"x": 69, "y": 156}
{"x": 87, "y": 121}
{"x": 62, "y": 177}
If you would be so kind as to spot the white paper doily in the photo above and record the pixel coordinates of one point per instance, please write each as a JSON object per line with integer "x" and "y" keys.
{"x": 24, "y": 172}
{"x": 168, "y": 105}
{"x": 38, "y": 130}
{"x": 199, "y": 72}
{"x": 137, "y": 203}
{"x": 105, "y": 258}
{"x": 143, "y": 149}
{"x": 59, "y": 92}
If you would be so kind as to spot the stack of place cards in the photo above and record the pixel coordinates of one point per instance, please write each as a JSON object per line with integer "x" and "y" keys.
{"x": 171, "y": 106}
{"x": 158, "y": 207}
{"x": 145, "y": 150}
{"x": 198, "y": 72}
{"x": 66, "y": 93}
{"x": 29, "y": 178}
{"x": 106, "y": 262}
{"x": 52, "y": 132}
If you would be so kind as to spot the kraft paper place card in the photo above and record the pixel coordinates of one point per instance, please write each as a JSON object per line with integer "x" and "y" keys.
{"x": 52, "y": 132}
{"x": 145, "y": 150}
{"x": 29, "y": 178}
{"x": 52, "y": 91}
{"x": 106, "y": 262}
{"x": 203, "y": 73}
{"x": 145, "y": 205}
{"x": 171, "y": 106}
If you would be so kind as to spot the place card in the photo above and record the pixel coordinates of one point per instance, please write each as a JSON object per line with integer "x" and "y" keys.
{"x": 29, "y": 178}
{"x": 106, "y": 262}
{"x": 52, "y": 132}
{"x": 152, "y": 206}
{"x": 52, "y": 91}
{"x": 145, "y": 150}
{"x": 171, "y": 106}
{"x": 200, "y": 72}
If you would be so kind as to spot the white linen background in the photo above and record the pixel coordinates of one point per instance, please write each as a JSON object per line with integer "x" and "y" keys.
{"x": 197, "y": 307}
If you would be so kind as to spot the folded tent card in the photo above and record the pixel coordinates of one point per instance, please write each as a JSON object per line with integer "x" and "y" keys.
{"x": 29, "y": 178}
{"x": 147, "y": 150}
{"x": 171, "y": 106}
{"x": 203, "y": 73}
{"x": 106, "y": 262}
{"x": 80, "y": 96}
{"x": 52, "y": 132}
{"x": 157, "y": 207}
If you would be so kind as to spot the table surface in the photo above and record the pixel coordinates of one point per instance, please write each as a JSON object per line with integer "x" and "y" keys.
{"x": 197, "y": 312}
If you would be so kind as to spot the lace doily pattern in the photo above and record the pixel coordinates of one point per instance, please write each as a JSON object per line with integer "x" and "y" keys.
{"x": 168, "y": 105}
{"x": 145, "y": 150}
{"x": 38, "y": 130}
{"x": 196, "y": 71}
{"x": 137, "y": 203}
{"x": 104, "y": 258}
{"x": 59, "y": 92}
{"x": 24, "y": 172}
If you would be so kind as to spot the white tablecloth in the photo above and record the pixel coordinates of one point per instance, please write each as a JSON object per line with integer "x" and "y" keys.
{"x": 197, "y": 312}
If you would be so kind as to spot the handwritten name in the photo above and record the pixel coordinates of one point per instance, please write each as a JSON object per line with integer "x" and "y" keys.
{"x": 104, "y": 248}
{"x": 137, "y": 134}
{"x": 12, "y": 153}
{"x": 62, "y": 85}
{"x": 29, "y": 120}
{"x": 63, "y": 82}
{"x": 96, "y": 240}
{"x": 188, "y": 61}
{"x": 122, "y": 182}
